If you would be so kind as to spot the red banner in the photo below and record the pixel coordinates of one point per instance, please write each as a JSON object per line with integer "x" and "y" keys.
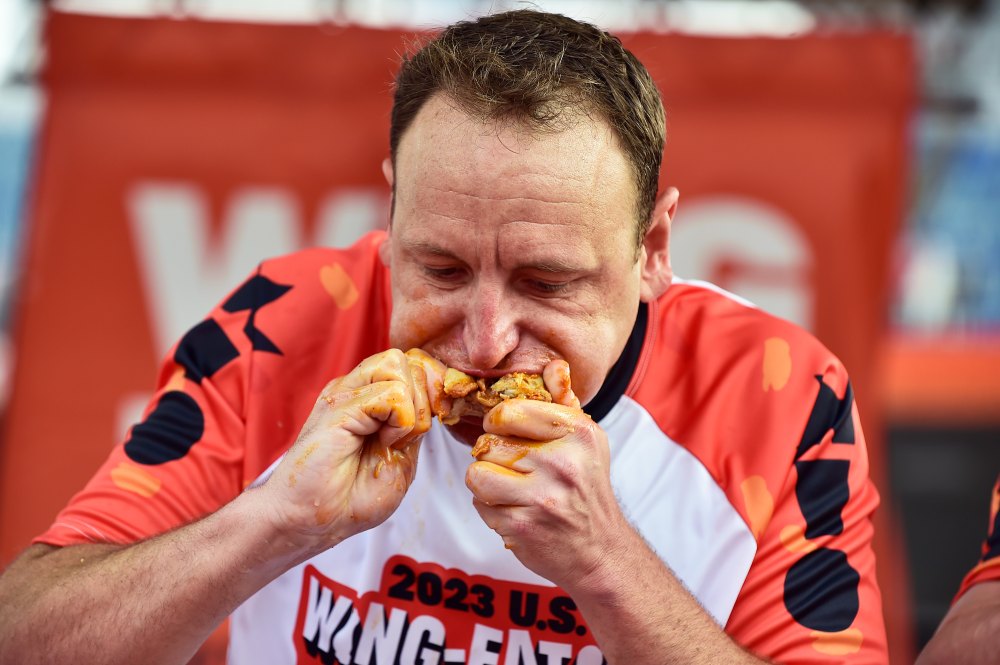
{"x": 176, "y": 154}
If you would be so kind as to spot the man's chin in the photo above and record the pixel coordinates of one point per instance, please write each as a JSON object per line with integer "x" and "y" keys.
{"x": 467, "y": 430}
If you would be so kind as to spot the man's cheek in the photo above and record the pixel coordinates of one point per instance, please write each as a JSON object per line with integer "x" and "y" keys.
{"x": 416, "y": 323}
{"x": 419, "y": 292}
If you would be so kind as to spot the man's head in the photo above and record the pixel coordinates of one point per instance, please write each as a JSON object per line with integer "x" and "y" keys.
{"x": 514, "y": 232}
{"x": 542, "y": 71}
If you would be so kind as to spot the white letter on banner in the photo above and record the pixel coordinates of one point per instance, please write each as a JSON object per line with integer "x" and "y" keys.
{"x": 520, "y": 650}
{"x": 482, "y": 638}
{"x": 748, "y": 247}
{"x": 343, "y": 640}
{"x": 320, "y": 617}
{"x": 556, "y": 653}
{"x": 185, "y": 274}
{"x": 347, "y": 214}
{"x": 433, "y": 629}
{"x": 589, "y": 655}
{"x": 381, "y": 636}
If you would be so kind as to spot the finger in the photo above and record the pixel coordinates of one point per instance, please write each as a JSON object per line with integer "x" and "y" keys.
{"x": 557, "y": 382}
{"x": 497, "y": 485}
{"x": 530, "y": 419}
{"x": 390, "y": 365}
{"x": 507, "y": 451}
{"x": 385, "y": 406}
{"x": 418, "y": 379}
{"x": 389, "y": 405}
{"x": 380, "y": 367}
{"x": 440, "y": 403}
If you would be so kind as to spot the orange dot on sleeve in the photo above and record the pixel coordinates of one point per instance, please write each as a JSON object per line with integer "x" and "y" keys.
{"x": 136, "y": 480}
{"x": 777, "y": 363}
{"x": 176, "y": 381}
{"x": 793, "y": 537}
{"x": 838, "y": 644}
{"x": 339, "y": 285}
{"x": 759, "y": 504}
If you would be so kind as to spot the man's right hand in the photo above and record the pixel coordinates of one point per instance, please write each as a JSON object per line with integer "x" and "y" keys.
{"x": 356, "y": 454}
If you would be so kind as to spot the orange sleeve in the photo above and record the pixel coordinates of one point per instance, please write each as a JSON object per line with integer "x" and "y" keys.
{"x": 988, "y": 566}
{"x": 811, "y": 594}
{"x": 185, "y": 459}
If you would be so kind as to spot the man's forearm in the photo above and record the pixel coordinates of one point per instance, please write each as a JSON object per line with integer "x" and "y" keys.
{"x": 642, "y": 615}
{"x": 970, "y": 633}
{"x": 152, "y": 602}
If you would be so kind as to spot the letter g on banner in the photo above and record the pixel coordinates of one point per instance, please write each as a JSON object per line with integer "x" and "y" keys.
{"x": 750, "y": 248}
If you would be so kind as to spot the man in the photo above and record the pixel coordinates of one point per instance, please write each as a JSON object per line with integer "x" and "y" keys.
{"x": 970, "y": 633}
{"x": 710, "y": 503}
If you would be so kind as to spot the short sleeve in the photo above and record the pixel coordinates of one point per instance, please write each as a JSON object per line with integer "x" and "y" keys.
{"x": 185, "y": 458}
{"x": 811, "y": 595}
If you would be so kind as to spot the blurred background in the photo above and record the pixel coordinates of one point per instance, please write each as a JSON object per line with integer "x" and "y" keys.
{"x": 839, "y": 164}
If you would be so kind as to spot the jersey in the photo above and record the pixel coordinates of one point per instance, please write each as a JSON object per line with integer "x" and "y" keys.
{"x": 988, "y": 566}
{"x": 736, "y": 453}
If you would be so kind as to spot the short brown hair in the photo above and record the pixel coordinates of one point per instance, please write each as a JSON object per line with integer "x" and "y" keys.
{"x": 540, "y": 69}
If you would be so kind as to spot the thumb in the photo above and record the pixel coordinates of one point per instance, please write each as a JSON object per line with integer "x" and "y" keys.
{"x": 557, "y": 382}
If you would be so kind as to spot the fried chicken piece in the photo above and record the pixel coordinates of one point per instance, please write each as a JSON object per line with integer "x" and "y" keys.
{"x": 476, "y": 397}
{"x": 453, "y": 393}
{"x": 458, "y": 384}
{"x": 519, "y": 384}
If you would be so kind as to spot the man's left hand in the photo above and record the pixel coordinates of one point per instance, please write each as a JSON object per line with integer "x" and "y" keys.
{"x": 541, "y": 480}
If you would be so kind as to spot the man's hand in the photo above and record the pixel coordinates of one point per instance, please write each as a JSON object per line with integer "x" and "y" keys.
{"x": 542, "y": 481}
{"x": 356, "y": 454}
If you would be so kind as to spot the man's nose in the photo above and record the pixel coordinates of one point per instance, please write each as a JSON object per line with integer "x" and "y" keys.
{"x": 491, "y": 331}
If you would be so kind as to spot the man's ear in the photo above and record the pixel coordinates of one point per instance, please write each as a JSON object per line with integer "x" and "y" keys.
{"x": 390, "y": 177}
{"x": 655, "y": 255}
{"x": 387, "y": 170}
{"x": 385, "y": 249}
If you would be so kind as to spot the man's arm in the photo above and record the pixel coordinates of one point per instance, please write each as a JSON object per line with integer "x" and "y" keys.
{"x": 970, "y": 632}
{"x": 542, "y": 481}
{"x": 153, "y": 602}
{"x": 157, "y": 600}
{"x": 642, "y": 615}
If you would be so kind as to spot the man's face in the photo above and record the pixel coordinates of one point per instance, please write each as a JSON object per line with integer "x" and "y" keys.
{"x": 511, "y": 248}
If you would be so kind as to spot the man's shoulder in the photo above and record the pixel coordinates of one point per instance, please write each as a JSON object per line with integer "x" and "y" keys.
{"x": 724, "y": 378}
{"x": 313, "y": 263}
{"x": 318, "y": 283}
{"x": 698, "y": 312}
{"x": 303, "y": 302}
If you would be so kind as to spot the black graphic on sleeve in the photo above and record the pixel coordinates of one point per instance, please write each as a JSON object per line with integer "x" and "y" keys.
{"x": 822, "y": 492}
{"x": 168, "y": 433}
{"x": 821, "y": 588}
{"x": 177, "y": 422}
{"x": 204, "y": 350}
{"x": 821, "y": 591}
{"x": 828, "y": 413}
{"x": 252, "y": 295}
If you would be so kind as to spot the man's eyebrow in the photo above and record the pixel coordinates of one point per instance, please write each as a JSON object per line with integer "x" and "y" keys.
{"x": 549, "y": 264}
{"x": 426, "y": 247}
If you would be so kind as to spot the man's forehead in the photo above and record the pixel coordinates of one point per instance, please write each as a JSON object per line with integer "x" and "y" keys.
{"x": 557, "y": 177}
{"x": 446, "y": 138}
